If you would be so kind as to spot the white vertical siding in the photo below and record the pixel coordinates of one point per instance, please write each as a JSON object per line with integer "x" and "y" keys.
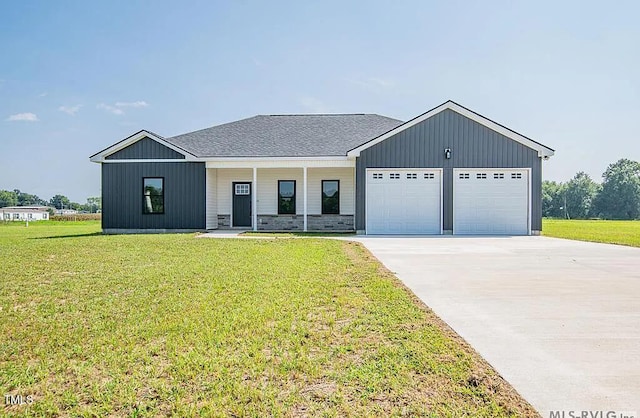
{"x": 212, "y": 206}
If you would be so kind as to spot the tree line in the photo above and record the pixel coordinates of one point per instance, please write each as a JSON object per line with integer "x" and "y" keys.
{"x": 617, "y": 197}
{"x": 19, "y": 198}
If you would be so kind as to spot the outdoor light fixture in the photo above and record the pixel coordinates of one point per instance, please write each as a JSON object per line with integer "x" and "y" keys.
{"x": 447, "y": 153}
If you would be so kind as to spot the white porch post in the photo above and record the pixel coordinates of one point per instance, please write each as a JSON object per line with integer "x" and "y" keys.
{"x": 254, "y": 199}
{"x": 304, "y": 191}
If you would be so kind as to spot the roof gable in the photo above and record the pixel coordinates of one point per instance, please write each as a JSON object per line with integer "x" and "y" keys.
{"x": 145, "y": 148}
{"x": 131, "y": 147}
{"x": 543, "y": 151}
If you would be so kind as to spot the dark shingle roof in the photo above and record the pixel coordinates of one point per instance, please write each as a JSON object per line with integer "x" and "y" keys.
{"x": 286, "y": 136}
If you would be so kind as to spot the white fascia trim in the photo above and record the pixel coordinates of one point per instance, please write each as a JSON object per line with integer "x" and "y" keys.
{"x": 101, "y": 156}
{"x": 542, "y": 150}
{"x": 319, "y": 158}
{"x": 150, "y": 160}
{"x": 259, "y": 162}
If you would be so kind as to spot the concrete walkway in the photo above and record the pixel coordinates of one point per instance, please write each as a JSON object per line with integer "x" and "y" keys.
{"x": 559, "y": 319}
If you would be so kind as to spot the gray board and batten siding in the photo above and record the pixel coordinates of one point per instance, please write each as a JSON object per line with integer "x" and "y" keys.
{"x": 146, "y": 148}
{"x": 472, "y": 146}
{"x": 122, "y": 190}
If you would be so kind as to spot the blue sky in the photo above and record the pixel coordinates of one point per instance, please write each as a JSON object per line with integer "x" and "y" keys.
{"x": 77, "y": 76}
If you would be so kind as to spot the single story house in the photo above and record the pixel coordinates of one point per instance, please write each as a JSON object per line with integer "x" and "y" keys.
{"x": 448, "y": 170}
{"x": 24, "y": 213}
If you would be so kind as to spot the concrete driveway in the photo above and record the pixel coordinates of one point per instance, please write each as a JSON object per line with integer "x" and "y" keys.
{"x": 559, "y": 319}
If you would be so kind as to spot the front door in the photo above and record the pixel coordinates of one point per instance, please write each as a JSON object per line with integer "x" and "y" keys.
{"x": 242, "y": 204}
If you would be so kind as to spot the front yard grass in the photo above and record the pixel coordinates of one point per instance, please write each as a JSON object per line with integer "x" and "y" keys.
{"x": 609, "y": 232}
{"x": 157, "y": 325}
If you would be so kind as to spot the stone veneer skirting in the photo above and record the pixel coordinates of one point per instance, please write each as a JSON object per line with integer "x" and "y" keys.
{"x": 296, "y": 222}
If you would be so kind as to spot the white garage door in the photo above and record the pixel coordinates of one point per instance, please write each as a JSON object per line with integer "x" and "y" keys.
{"x": 491, "y": 201}
{"x": 404, "y": 201}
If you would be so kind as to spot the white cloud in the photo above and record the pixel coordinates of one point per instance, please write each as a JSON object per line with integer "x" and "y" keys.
{"x": 43, "y": 94}
{"x": 110, "y": 109}
{"x": 139, "y": 103}
{"x": 314, "y": 105}
{"x": 26, "y": 117}
{"x": 70, "y": 110}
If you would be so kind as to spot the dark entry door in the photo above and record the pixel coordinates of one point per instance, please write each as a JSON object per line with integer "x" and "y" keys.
{"x": 242, "y": 204}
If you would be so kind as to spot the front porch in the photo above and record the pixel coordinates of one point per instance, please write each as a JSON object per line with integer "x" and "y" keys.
{"x": 268, "y": 195}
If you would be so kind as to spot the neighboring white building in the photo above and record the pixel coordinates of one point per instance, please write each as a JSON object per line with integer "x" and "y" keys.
{"x": 24, "y": 213}
{"x": 66, "y": 212}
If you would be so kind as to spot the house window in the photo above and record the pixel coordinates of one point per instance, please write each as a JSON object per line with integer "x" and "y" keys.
{"x": 330, "y": 197}
{"x": 481, "y": 175}
{"x": 498, "y": 175}
{"x": 153, "y": 195}
{"x": 16, "y": 216}
{"x": 394, "y": 176}
{"x": 377, "y": 175}
{"x": 429, "y": 176}
{"x": 30, "y": 216}
{"x": 286, "y": 197}
{"x": 45, "y": 216}
{"x": 243, "y": 189}
{"x": 412, "y": 176}
{"x": 516, "y": 175}
{"x": 464, "y": 175}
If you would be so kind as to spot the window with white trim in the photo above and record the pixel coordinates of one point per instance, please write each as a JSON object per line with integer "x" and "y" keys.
{"x": 242, "y": 189}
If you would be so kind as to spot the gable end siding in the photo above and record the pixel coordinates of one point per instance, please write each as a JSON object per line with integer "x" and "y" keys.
{"x": 146, "y": 148}
{"x": 184, "y": 196}
{"x": 472, "y": 146}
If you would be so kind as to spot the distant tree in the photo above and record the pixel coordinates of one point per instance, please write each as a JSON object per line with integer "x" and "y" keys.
{"x": 579, "y": 194}
{"x": 26, "y": 199}
{"x": 8, "y": 198}
{"x": 620, "y": 194}
{"x": 552, "y": 199}
{"x": 94, "y": 204}
{"x": 59, "y": 201}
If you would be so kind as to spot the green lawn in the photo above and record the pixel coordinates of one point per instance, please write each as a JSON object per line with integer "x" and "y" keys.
{"x": 155, "y": 325}
{"x": 611, "y": 232}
